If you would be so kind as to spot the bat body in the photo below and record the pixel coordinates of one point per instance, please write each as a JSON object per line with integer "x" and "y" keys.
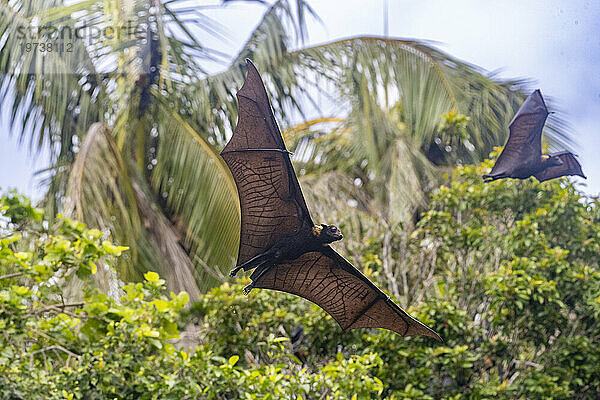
{"x": 522, "y": 155}
{"x": 278, "y": 238}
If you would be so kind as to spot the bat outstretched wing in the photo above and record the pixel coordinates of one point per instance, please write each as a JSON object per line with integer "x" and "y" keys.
{"x": 271, "y": 202}
{"x": 331, "y": 282}
{"x": 570, "y": 166}
{"x": 524, "y": 145}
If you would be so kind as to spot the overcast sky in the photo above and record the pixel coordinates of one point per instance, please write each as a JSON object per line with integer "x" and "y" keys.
{"x": 554, "y": 43}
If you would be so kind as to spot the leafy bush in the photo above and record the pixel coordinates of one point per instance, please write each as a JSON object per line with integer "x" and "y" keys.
{"x": 507, "y": 272}
{"x": 512, "y": 287}
{"x": 103, "y": 347}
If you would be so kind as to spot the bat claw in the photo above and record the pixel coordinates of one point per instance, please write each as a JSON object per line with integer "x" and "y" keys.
{"x": 248, "y": 288}
{"x": 233, "y": 272}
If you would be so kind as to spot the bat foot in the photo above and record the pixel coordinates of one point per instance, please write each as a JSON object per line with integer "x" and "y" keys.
{"x": 234, "y": 271}
{"x": 248, "y": 288}
{"x": 487, "y": 178}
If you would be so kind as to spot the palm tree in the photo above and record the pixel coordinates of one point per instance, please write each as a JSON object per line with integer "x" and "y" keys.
{"x": 130, "y": 122}
{"x": 404, "y": 128}
{"x": 134, "y": 123}
{"x": 405, "y": 101}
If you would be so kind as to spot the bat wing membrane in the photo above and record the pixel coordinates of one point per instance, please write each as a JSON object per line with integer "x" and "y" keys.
{"x": 570, "y": 166}
{"x": 524, "y": 145}
{"x": 332, "y": 283}
{"x": 271, "y": 202}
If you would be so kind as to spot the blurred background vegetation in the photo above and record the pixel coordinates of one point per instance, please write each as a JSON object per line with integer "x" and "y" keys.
{"x": 507, "y": 273}
{"x": 150, "y": 171}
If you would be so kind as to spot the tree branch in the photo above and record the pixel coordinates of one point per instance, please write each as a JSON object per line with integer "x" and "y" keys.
{"x": 54, "y": 348}
{"x": 58, "y": 306}
{"x": 8, "y": 276}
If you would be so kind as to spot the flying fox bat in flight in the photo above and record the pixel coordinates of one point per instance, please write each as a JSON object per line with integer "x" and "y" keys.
{"x": 278, "y": 237}
{"x": 522, "y": 155}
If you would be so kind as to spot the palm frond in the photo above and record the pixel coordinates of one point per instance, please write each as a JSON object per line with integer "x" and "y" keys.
{"x": 151, "y": 174}
{"x": 54, "y": 95}
{"x": 103, "y": 192}
{"x": 99, "y": 191}
{"x": 394, "y": 93}
{"x": 199, "y": 193}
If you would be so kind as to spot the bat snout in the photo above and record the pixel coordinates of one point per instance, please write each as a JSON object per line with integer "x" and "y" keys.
{"x": 333, "y": 233}
{"x": 336, "y": 236}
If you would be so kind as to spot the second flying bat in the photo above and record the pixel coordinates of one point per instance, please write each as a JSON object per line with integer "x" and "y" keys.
{"x": 522, "y": 155}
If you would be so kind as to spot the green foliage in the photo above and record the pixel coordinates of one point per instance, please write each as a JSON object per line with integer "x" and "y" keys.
{"x": 453, "y": 127}
{"x": 106, "y": 347}
{"x": 133, "y": 123}
{"x": 521, "y": 258}
{"x": 507, "y": 272}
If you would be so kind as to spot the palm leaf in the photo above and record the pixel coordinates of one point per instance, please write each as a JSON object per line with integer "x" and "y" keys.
{"x": 103, "y": 193}
{"x": 395, "y": 92}
{"x": 199, "y": 191}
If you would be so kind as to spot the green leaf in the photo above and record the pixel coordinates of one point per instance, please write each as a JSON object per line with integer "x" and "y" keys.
{"x": 22, "y": 290}
{"x": 112, "y": 249}
{"x": 161, "y": 305}
{"x": 151, "y": 276}
{"x": 233, "y": 360}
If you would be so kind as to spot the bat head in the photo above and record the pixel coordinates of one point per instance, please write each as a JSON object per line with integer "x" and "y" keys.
{"x": 329, "y": 233}
{"x": 551, "y": 161}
